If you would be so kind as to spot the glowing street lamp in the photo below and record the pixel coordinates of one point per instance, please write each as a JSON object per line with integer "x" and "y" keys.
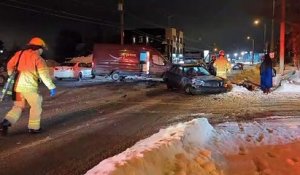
{"x": 256, "y": 23}
{"x": 253, "y": 43}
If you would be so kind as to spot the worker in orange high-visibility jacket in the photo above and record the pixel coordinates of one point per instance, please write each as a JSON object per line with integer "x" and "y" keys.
{"x": 222, "y": 65}
{"x": 31, "y": 67}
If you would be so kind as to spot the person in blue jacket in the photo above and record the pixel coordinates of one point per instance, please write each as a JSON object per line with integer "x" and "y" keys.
{"x": 266, "y": 74}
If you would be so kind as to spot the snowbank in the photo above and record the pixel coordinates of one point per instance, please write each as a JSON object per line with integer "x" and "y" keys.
{"x": 176, "y": 150}
{"x": 252, "y": 74}
{"x": 290, "y": 85}
{"x": 196, "y": 147}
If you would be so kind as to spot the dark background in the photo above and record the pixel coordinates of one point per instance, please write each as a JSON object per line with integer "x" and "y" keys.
{"x": 70, "y": 27}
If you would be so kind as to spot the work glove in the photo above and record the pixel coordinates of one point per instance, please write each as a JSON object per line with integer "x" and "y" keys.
{"x": 52, "y": 92}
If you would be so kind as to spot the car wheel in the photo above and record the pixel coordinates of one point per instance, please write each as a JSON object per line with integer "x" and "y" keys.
{"x": 2, "y": 80}
{"x": 93, "y": 76}
{"x": 188, "y": 89}
{"x": 115, "y": 76}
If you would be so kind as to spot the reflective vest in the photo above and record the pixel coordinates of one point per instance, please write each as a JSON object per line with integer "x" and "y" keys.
{"x": 31, "y": 67}
{"x": 222, "y": 66}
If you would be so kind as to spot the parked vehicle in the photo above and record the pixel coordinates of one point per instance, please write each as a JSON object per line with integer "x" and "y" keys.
{"x": 194, "y": 79}
{"x": 77, "y": 70}
{"x": 119, "y": 61}
{"x": 238, "y": 66}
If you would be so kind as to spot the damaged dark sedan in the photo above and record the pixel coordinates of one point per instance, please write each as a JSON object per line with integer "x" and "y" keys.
{"x": 194, "y": 79}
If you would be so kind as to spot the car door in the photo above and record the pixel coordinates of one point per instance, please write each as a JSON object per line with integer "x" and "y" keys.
{"x": 86, "y": 69}
{"x": 157, "y": 65}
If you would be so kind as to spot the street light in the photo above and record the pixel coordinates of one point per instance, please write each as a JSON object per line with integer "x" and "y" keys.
{"x": 253, "y": 43}
{"x": 257, "y": 22}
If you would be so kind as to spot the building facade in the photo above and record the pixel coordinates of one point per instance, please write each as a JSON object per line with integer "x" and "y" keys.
{"x": 168, "y": 41}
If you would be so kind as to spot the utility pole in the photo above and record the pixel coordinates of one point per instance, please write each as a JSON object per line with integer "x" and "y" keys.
{"x": 257, "y": 22}
{"x": 282, "y": 35}
{"x": 253, "y": 48}
{"x": 265, "y": 38}
{"x": 272, "y": 28}
{"x": 121, "y": 9}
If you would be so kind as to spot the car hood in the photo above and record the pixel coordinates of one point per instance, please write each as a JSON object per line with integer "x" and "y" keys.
{"x": 208, "y": 78}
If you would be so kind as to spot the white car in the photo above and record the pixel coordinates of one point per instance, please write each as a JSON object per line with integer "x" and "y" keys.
{"x": 77, "y": 70}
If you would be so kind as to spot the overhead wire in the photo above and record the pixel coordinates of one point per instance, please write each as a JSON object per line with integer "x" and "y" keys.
{"x": 76, "y": 17}
{"x": 61, "y": 14}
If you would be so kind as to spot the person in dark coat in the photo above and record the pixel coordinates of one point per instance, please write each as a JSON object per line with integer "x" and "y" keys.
{"x": 211, "y": 68}
{"x": 266, "y": 74}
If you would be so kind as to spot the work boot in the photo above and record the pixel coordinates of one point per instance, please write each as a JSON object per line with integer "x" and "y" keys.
{"x": 34, "y": 131}
{"x": 4, "y": 126}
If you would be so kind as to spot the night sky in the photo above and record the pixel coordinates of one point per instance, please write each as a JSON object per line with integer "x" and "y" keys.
{"x": 205, "y": 23}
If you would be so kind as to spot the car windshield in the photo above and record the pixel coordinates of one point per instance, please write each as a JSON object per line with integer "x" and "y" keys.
{"x": 195, "y": 71}
{"x": 68, "y": 64}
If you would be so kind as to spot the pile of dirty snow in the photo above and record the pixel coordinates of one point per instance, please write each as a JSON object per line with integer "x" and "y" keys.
{"x": 175, "y": 150}
{"x": 292, "y": 84}
{"x": 252, "y": 74}
{"x": 196, "y": 147}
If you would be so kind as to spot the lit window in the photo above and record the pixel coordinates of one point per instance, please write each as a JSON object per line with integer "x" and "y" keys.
{"x": 133, "y": 40}
{"x": 141, "y": 39}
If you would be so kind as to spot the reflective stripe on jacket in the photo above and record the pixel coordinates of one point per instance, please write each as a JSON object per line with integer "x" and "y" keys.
{"x": 31, "y": 67}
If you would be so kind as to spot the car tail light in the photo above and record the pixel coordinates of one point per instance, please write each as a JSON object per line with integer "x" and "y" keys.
{"x": 56, "y": 68}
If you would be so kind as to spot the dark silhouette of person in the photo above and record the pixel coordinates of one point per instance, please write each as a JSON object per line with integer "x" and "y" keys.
{"x": 266, "y": 74}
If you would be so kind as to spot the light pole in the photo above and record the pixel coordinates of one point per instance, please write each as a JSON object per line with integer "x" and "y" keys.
{"x": 121, "y": 9}
{"x": 282, "y": 36}
{"x": 253, "y": 47}
{"x": 257, "y": 22}
{"x": 272, "y": 29}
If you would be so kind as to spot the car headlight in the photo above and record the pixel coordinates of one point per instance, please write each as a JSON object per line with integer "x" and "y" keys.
{"x": 198, "y": 82}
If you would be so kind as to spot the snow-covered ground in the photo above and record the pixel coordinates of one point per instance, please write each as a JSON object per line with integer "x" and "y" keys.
{"x": 266, "y": 146}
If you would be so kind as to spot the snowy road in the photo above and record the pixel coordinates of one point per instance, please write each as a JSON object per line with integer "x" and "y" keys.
{"x": 84, "y": 125}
